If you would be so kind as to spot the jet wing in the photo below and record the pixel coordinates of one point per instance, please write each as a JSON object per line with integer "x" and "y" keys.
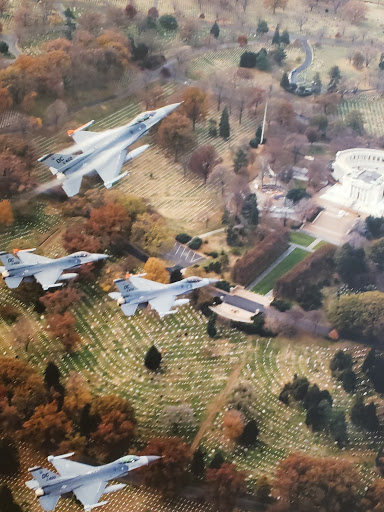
{"x": 48, "y": 278}
{"x": 87, "y": 139}
{"x": 162, "y": 304}
{"x": 31, "y": 259}
{"x": 109, "y": 171}
{"x": 90, "y": 494}
{"x": 145, "y": 285}
{"x": 69, "y": 467}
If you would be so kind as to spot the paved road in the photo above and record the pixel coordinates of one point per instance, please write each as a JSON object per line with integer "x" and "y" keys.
{"x": 307, "y": 61}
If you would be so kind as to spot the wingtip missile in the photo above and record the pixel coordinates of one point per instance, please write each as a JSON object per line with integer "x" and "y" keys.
{"x": 80, "y": 128}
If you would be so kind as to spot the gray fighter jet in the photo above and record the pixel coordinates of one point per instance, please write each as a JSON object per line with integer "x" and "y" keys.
{"x": 87, "y": 483}
{"x": 24, "y": 265}
{"x": 136, "y": 291}
{"x": 103, "y": 152}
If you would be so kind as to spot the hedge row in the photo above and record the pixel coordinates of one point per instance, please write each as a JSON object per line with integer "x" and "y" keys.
{"x": 315, "y": 269}
{"x": 255, "y": 261}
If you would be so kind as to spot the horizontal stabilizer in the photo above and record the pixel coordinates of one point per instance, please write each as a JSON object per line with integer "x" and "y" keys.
{"x": 49, "y": 502}
{"x": 13, "y": 282}
{"x": 96, "y": 505}
{"x": 56, "y": 160}
{"x": 71, "y": 186}
{"x": 129, "y": 309}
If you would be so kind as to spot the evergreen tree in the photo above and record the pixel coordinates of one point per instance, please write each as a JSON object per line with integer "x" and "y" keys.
{"x": 240, "y": 161}
{"x": 153, "y": 359}
{"x": 9, "y": 457}
{"x": 338, "y": 427}
{"x": 250, "y": 434}
{"x": 52, "y": 376}
{"x": 225, "y": 217}
{"x": 7, "y": 503}
{"x": 176, "y": 275}
{"x": 263, "y": 489}
{"x": 87, "y": 422}
{"x": 258, "y": 134}
{"x": 211, "y": 326}
{"x": 212, "y": 128}
{"x": 248, "y": 59}
{"x": 279, "y": 55}
{"x": 341, "y": 361}
{"x": 349, "y": 380}
{"x": 224, "y": 128}
{"x": 334, "y": 78}
{"x": 349, "y": 262}
{"x": 262, "y": 27}
{"x": 276, "y": 36}
{"x": 198, "y": 463}
{"x": 217, "y": 461}
{"x": 284, "y": 39}
{"x": 262, "y": 61}
{"x": 249, "y": 210}
{"x": 381, "y": 63}
{"x": 232, "y": 237}
{"x": 215, "y": 30}
{"x": 284, "y": 82}
{"x": 316, "y": 84}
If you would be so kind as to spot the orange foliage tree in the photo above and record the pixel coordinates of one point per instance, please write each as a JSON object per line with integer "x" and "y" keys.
{"x": 6, "y": 214}
{"x": 233, "y": 423}
{"x": 311, "y": 483}
{"x": 156, "y": 270}
{"x": 175, "y": 135}
{"x": 63, "y": 327}
{"x": 195, "y": 104}
{"x": 6, "y": 101}
{"x": 168, "y": 474}
{"x": 225, "y": 485}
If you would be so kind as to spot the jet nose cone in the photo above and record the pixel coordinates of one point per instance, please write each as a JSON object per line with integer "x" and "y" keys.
{"x": 101, "y": 256}
{"x": 152, "y": 458}
{"x": 212, "y": 281}
{"x": 170, "y": 108}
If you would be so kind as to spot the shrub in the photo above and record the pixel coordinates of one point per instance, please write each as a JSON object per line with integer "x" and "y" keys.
{"x": 183, "y": 238}
{"x": 223, "y": 285}
{"x": 260, "y": 257}
{"x": 195, "y": 243}
{"x": 281, "y": 305}
{"x": 168, "y": 22}
{"x": 312, "y": 270}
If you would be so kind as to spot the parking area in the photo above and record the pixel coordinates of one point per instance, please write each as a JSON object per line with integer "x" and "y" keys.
{"x": 183, "y": 256}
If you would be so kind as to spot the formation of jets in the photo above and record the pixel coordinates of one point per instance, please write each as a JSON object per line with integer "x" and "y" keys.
{"x": 88, "y": 483}
{"x": 104, "y": 152}
{"x": 136, "y": 291}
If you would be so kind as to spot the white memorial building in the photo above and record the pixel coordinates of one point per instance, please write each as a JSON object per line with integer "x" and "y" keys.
{"x": 360, "y": 173}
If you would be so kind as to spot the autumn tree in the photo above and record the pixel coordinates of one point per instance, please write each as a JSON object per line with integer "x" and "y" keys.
{"x": 6, "y": 101}
{"x": 175, "y": 135}
{"x": 108, "y": 222}
{"x": 233, "y": 424}
{"x": 195, "y": 104}
{"x": 224, "y": 486}
{"x": 77, "y": 396}
{"x": 284, "y": 113}
{"x": 373, "y": 498}
{"x": 275, "y": 4}
{"x": 60, "y": 300}
{"x": 203, "y": 160}
{"x": 150, "y": 233}
{"x": 310, "y": 483}
{"x": 169, "y": 473}
{"x": 75, "y": 238}
{"x": 63, "y": 328}
{"x": 156, "y": 270}
{"x": 177, "y": 419}
{"x": 47, "y": 427}
{"x": 355, "y": 11}
{"x": 55, "y": 113}
{"x": 6, "y": 214}
{"x": 244, "y": 399}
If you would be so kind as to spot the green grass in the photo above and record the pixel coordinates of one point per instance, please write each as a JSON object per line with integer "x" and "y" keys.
{"x": 296, "y": 237}
{"x": 320, "y": 244}
{"x": 282, "y": 268}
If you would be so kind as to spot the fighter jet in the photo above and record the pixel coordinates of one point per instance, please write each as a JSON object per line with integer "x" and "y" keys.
{"x": 87, "y": 483}
{"x": 24, "y": 265}
{"x": 136, "y": 291}
{"x": 103, "y": 152}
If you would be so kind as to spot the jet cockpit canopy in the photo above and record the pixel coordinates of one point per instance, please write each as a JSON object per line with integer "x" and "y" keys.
{"x": 129, "y": 459}
{"x": 193, "y": 279}
{"x": 144, "y": 117}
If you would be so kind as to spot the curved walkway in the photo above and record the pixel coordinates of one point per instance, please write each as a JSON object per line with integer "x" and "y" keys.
{"x": 307, "y": 61}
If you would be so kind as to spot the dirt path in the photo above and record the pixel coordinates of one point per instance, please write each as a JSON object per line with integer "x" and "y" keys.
{"x": 220, "y": 400}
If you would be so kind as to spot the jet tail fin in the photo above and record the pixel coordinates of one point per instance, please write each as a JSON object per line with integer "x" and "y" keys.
{"x": 42, "y": 476}
{"x": 49, "y": 502}
{"x": 56, "y": 161}
{"x": 9, "y": 260}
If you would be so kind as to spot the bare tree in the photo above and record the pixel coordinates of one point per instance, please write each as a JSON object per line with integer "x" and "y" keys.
{"x": 301, "y": 20}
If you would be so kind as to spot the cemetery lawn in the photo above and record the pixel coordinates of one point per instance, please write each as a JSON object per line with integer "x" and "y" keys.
{"x": 267, "y": 284}
{"x": 299, "y": 238}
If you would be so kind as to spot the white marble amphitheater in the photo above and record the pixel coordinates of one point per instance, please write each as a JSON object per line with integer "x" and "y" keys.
{"x": 360, "y": 173}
